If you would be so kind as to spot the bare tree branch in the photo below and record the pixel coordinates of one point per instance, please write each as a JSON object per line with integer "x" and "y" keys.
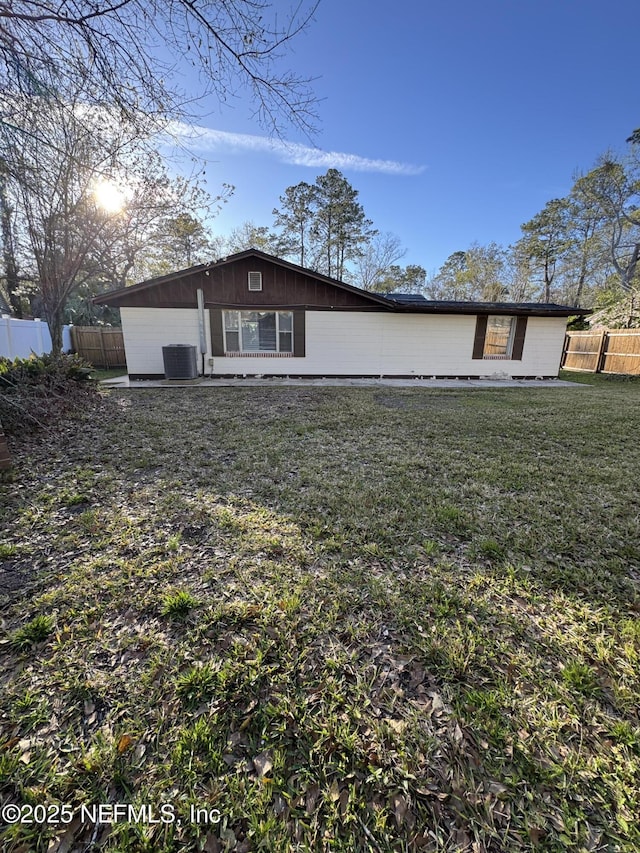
{"x": 234, "y": 45}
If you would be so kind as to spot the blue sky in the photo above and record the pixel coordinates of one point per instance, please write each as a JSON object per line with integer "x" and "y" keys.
{"x": 456, "y": 121}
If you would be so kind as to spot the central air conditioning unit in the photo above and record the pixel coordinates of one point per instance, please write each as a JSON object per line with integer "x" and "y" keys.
{"x": 180, "y": 361}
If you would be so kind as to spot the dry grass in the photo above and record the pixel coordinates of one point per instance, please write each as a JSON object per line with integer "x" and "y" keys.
{"x": 342, "y": 619}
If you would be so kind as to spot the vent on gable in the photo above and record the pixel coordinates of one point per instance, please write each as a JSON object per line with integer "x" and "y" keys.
{"x": 255, "y": 281}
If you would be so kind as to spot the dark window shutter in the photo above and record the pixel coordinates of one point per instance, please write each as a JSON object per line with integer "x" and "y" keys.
{"x": 299, "y": 334}
{"x": 518, "y": 338}
{"x": 481, "y": 333}
{"x": 217, "y": 336}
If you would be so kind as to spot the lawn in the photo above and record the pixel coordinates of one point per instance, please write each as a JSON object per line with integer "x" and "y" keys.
{"x": 110, "y": 373}
{"x": 325, "y": 619}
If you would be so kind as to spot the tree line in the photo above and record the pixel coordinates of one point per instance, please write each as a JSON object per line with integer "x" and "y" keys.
{"x": 581, "y": 250}
{"x": 75, "y": 135}
{"x": 60, "y": 247}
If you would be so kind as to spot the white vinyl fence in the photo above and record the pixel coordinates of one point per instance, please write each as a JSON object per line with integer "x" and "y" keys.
{"x": 20, "y": 338}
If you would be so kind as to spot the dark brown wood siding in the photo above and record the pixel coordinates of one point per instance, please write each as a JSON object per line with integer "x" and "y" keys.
{"x": 481, "y": 333}
{"x": 281, "y": 288}
{"x": 299, "y": 334}
{"x": 518, "y": 340}
{"x": 217, "y": 334}
{"x": 176, "y": 293}
{"x": 227, "y": 285}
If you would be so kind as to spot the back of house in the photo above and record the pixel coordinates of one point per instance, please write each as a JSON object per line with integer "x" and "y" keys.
{"x": 252, "y": 314}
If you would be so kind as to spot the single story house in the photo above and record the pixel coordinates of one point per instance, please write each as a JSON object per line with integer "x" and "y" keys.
{"x": 252, "y": 314}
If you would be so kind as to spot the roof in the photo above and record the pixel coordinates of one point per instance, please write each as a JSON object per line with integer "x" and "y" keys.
{"x": 400, "y": 302}
{"x": 534, "y": 309}
{"x": 406, "y": 297}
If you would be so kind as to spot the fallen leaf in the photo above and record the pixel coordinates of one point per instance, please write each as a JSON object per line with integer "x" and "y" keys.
{"x": 536, "y": 834}
{"x": 344, "y": 801}
{"x": 124, "y": 743}
{"x": 593, "y": 838}
{"x": 437, "y": 705}
{"x": 229, "y": 836}
{"x": 279, "y": 805}
{"x": 211, "y": 844}
{"x": 312, "y": 797}
{"x": 65, "y": 842}
{"x": 498, "y": 789}
{"x": 400, "y": 806}
{"x": 417, "y": 675}
{"x": 557, "y": 822}
{"x": 263, "y": 763}
{"x": 250, "y": 706}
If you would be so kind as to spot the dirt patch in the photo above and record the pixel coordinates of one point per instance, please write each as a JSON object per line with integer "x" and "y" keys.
{"x": 412, "y": 402}
{"x": 14, "y": 578}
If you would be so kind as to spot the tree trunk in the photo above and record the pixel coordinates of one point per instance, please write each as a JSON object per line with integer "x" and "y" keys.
{"x": 5, "y": 456}
{"x": 54, "y": 321}
{"x": 10, "y": 266}
{"x": 631, "y": 268}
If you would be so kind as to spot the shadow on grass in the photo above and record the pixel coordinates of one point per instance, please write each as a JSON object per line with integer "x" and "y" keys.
{"x": 418, "y": 618}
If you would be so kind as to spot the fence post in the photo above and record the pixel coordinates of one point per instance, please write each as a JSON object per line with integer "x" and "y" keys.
{"x": 102, "y": 349}
{"x": 9, "y": 339}
{"x": 601, "y": 351}
{"x": 38, "y": 328}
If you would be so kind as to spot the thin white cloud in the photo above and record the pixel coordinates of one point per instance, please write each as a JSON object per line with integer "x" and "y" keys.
{"x": 205, "y": 139}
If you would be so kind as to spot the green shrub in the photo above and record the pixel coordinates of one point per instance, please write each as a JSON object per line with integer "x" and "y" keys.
{"x": 42, "y": 369}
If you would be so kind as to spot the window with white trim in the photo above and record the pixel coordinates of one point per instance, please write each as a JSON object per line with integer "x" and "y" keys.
{"x": 254, "y": 332}
{"x": 498, "y": 342}
{"x": 255, "y": 281}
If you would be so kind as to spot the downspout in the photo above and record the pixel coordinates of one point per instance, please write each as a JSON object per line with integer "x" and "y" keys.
{"x": 201, "y": 330}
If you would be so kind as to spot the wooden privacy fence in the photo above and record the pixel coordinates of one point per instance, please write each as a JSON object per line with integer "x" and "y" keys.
{"x": 102, "y": 346}
{"x": 603, "y": 351}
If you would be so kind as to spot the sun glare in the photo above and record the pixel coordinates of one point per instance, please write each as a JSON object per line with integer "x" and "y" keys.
{"x": 109, "y": 196}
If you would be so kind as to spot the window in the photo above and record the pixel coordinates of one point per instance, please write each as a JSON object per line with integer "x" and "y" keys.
{"x": 231, "y": 331}
{"x": 499, "y": 337}
{"x": 498, "y": 342}
{"x": 255, "y": 281}
{"x": 254, "y": 332}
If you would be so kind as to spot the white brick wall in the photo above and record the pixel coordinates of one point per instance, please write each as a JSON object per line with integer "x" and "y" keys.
{"x": 352, "y": 343}
{"x": 147, "y": 330}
